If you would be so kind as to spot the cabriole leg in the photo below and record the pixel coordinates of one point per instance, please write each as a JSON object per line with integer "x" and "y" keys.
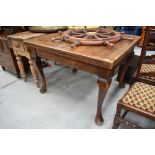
{"x": 103, "y": 88}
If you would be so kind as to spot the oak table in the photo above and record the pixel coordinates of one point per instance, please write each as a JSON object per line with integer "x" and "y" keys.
{"x": 99, "y": 60}
{"x": 20, "y": 51}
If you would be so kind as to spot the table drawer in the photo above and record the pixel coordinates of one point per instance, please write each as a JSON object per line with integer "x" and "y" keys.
{"x": 17, "y": 45}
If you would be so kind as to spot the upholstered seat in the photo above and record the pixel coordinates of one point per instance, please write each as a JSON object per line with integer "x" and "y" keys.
{"x": 141, "y": 96}
{"x": 147, "y": 68}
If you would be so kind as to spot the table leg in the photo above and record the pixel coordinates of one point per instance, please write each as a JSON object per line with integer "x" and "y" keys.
{"x": 3, "y": 68}
{"x": 124, "y": 70}
{"x": 34, "y": 73}
{"x": 75, "y": 70}
{"x": 18, "y": 75}
{"x": 37, "y": 65}
{"x": 21, "y": 67}
{"x": 122, "y": 76}
{"x": 103, "y": 88}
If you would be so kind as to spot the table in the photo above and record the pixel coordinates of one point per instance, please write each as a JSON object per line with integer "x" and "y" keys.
{"x": 20, "y": 51}
{"x": 99, "y": 60}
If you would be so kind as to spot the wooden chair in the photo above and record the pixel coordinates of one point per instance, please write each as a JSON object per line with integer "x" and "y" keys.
{"x": 140, "y": 98}
{"x": 127, "y": 74}
{"x": 146, "y": 72}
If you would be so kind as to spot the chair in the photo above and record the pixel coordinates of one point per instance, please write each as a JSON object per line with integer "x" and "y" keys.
{"x": 127, "y": 74}
{"x": 140, "y": 98}
{"x": 146, "y": 70}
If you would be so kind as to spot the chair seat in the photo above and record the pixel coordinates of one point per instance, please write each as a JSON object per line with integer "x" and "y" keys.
{"x": 146, "y": 68}
{"x": 141, "y": 96}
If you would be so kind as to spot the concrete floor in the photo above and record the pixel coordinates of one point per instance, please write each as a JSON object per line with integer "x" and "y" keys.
{"x": 70, "y": 101}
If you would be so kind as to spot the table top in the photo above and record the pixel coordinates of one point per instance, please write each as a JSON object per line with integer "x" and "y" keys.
{"x": 24, "y": 35}
{"x": 103, "y": 56}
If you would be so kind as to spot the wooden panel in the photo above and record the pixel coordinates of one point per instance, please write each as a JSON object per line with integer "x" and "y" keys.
{"x": 7, "y": 62}
{"x": 4, "y": 45}
{"x": 7, "y": 59}
{"x": 76, "y": 64}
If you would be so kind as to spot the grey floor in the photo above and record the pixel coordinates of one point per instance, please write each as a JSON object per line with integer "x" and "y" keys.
{"x": 70, "y": 101}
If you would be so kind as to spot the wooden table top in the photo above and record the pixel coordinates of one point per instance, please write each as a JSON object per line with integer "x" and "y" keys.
{"x": 103, "y": 56}
{"x": 24, "y": 35}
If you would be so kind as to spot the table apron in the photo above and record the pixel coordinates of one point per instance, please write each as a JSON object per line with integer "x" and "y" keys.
{"x": 97, "y": 70}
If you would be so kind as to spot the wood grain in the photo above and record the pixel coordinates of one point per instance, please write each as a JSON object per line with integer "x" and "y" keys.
{"x": 107, "y": 57}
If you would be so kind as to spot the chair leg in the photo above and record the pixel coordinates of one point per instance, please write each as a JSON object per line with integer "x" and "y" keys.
{"x": 117, "y": 118}
{"x": 125, "y": 113}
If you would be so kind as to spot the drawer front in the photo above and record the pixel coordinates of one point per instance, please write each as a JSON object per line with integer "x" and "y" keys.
{"x": 6, "y": 61}
{"x": 17, "y": 45}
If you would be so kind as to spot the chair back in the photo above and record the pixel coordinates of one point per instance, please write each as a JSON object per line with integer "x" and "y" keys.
{"x": 148, "y": 45}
